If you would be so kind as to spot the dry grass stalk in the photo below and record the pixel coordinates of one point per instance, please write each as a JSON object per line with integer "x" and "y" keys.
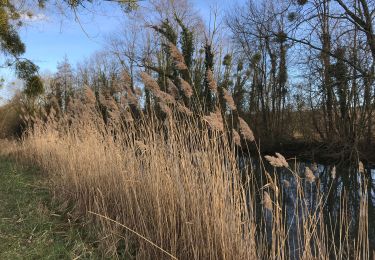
{"x": 52, "y": 113}
{"x": 127, "y": 116}
{"x": 179, "y": 188}
{"x": 134, "y": 232}
{"x": 361, "y": 168}
{"x": 178, "y": 59}
{"x": 25, "y": 118}
{"x": 272, "y": 185}
{"x": 154, "y": 186}
{"x": 140, "y": 146}
{"x": 229, "y": 100}
{"x": 186, "y": 88}
{"x": 333, "y": 173}
{"x": 245, "y": 130}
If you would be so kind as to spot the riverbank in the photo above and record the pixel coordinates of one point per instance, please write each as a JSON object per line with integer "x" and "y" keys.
{"x": 31, "y": 226}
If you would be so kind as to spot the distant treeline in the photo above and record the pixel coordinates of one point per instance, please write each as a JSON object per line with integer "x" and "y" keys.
{"x": 294, "y": 70}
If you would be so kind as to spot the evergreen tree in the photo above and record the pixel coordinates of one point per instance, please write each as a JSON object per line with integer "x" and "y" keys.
{"x": 13, "y": 48}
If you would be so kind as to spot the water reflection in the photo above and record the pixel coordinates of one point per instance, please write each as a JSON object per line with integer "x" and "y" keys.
{"x": 331, "y": 199}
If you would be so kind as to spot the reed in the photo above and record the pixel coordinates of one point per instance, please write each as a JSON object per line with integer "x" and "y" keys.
{"x": 173, "y": 189}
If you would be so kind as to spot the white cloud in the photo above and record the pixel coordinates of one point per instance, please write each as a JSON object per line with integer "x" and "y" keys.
{"x": 28, "y": 17}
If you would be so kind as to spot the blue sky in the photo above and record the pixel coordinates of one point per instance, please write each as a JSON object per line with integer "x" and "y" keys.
{"x": 49, "y": 36}
{"x": 49, "y": 39}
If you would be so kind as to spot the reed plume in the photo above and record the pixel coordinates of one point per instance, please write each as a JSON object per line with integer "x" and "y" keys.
{"x": 309, "y": 175}
{"x": 245, "y": 130}
{"x": 172, "y": 89}
{"x": 278, "y": 161}
{"x": 229, "y": 100}
{"x": 267, "y": 201}
{"x": 178, "y": 59}
{"x": 211, "y": 81}
{"x": 149, "y": 82}
{"x": 186, "y": 88}
{"x": 215, "y": 120}
{"x": 163, "y": 107}
{"x": 167, "y": 187}
{"x": 236, "y": 137}
{"x": 183, "y": 109}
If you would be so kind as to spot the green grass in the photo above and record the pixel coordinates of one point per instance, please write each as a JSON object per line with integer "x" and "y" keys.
{"x": 30, "y": 228}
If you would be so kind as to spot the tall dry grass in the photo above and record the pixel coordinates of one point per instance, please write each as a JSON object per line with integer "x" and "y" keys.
{"x": 10, "y": 121}
{"x": 173, "y": 189}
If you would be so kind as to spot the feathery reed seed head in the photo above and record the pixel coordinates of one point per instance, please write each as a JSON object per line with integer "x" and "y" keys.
{"x": 186, "y": 88}
{"x": 282, "y": 159}
{"x": 183, "y": 109}
{"x": 178, "y": 59}
{"x": 310, "y": 177}
{"x": 215, "y": 121}
{"x": 89, "y": 95}
{"x": 267, "y": 201}
{"x": 278, "y": 161}
{"x": 172, "y": 89}
{"x": 211, "y": 81}
{"x": 165, "y": 109}
{"x": 166, "y": 98}
{"x": 125, "y": 78}
{"x": 236, "y": 137}
{"x": 229, "y": 100}
{"x": 131, "y": 97}
{"x": 245, "y": 130}
{"x": 149, "y": 82}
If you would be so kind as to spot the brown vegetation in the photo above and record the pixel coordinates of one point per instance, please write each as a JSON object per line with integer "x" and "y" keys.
{"x": 168, "y": 174}
{"x": 173, "y": 189}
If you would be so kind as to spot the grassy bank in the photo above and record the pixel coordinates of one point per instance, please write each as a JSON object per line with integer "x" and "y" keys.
{"x": 31, "y": 227}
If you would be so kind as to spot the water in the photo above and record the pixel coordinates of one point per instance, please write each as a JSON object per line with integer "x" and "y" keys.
{"x": 321, "y": 198}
